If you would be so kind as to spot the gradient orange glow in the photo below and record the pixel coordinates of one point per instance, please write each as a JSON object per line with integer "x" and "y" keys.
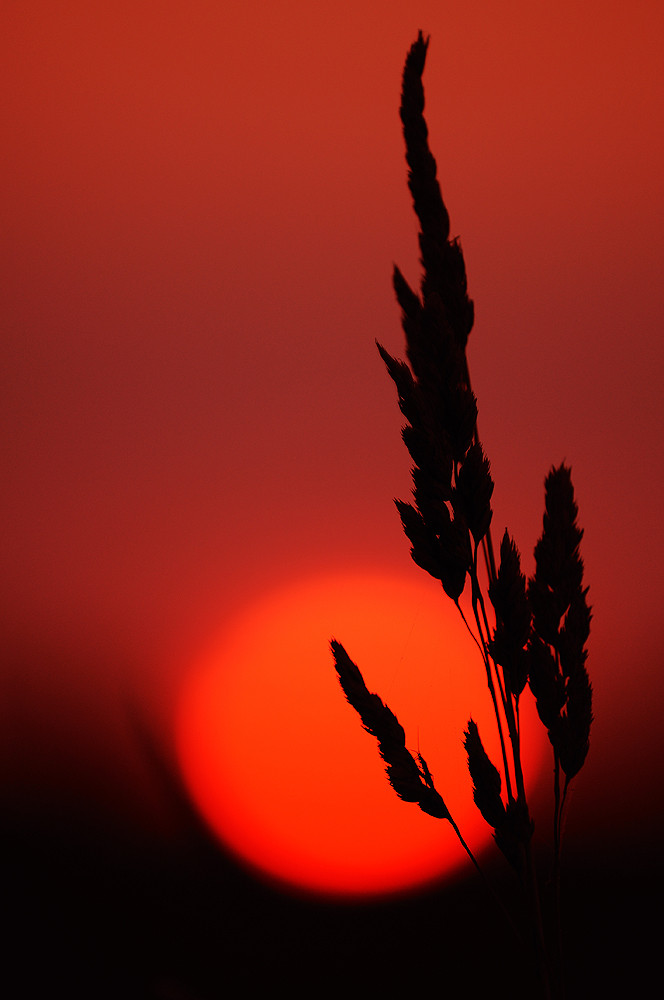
{"x": 278, "y": 763}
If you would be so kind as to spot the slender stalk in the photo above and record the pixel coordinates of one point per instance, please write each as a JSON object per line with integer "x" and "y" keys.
{"x": 531, "y": 884}
{"x": 496, "y": 709}
{"x": 556, "y": 822}
{"x": 530, "y": 876}
{"x": 501, "y": 685}
{"x": 513, "y": 730}
{"x": 494, "y": 895}
{"x": 470, "y": 631}
{"x": 478, "y": 601}
{"x": 538, "y": 928}
{"x": 489, "y": 558}
{"x": 559, "y": 806}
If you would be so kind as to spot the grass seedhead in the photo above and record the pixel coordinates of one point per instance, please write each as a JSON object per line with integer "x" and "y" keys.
{"x": 540, "y": 628}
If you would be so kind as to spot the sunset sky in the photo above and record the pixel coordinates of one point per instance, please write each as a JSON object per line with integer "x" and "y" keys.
{"x": 202, "y": 206}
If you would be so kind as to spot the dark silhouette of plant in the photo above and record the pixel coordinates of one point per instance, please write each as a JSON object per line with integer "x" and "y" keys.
{"x": 538, "y": 629}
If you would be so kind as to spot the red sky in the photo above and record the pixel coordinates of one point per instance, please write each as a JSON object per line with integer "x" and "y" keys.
{"x": 202, "y": 206}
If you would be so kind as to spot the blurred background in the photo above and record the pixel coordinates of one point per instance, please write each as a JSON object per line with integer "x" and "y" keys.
{"x": 202, "y": 206}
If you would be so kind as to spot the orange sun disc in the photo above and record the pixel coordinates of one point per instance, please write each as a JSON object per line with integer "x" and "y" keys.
{"x": 278, "y": 764}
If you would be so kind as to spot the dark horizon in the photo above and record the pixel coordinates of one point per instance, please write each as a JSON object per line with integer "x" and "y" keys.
{"x": 98, "y": 912}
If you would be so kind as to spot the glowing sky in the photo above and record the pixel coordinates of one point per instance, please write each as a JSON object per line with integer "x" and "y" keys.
{"x": 202, "y": 205}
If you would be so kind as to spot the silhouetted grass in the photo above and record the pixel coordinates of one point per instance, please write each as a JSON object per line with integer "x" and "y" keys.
{"x": 529, "y": 633}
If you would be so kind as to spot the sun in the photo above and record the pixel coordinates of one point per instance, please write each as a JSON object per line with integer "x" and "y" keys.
{"x": 278, "y": 764}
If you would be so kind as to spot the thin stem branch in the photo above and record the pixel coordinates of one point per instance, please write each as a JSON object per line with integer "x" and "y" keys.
{"x": 492, "y": 688}
{"x": 479, "y": 608}
{"x": 538, "y": 928}
{"x": 559, "y": 806}
{"x": 513, "y": 730}
{"x": 494, "y": 895}
{"x": 472, "y": 634}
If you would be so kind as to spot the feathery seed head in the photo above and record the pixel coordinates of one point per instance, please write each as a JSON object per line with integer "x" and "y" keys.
{"x": 474, "y": 488}
{"x": 561, "y": 623}
{"x": 507, "y": 593}
{"x": 444, "y": 554}
{"x": 486, "y": 778}
{"x": 411, "y": 781}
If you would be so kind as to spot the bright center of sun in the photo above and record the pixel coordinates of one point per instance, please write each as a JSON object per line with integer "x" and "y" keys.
{"x": 278, "y": 763}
